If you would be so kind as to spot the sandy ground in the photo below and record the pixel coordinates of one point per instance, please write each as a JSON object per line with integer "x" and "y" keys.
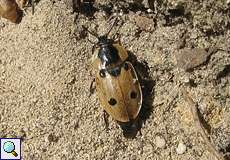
{"x": 45, "y": 78}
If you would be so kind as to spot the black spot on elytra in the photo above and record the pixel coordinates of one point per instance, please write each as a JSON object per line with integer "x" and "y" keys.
{"x": 102, "y": 73}
{"x": 126, "y": 66}
{"x": 112, "y": 101}
{"x": 133, "y": 94}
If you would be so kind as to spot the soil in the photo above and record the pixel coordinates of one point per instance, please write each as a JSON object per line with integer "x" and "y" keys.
{"x": 45, "y": 75}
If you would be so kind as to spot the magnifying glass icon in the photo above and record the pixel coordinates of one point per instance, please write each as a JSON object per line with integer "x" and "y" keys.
{"x": 9, "y": 147}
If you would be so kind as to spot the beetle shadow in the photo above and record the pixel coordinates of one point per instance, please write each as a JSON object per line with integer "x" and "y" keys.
{"x": 147, "y": 86}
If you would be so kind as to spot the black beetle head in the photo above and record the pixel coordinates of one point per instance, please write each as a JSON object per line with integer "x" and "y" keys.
{"x": 104, "y": 41}
{"x": 108, "y": 54}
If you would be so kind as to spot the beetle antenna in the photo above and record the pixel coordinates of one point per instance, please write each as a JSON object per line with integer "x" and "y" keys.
{"x": 92, "y": 33}
{"x": 114, "y": 23}
{"x": 92, "y": 42}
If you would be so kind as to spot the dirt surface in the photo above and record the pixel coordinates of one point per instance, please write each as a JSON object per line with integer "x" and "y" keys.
{"x": 45, "y": 77}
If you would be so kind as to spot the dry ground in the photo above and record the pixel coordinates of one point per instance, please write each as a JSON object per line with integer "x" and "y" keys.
{"x": 45, "y": 78}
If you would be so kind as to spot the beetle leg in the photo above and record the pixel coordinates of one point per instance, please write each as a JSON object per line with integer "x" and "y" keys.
{"x": 92, "y": 88}
{"x": 147, "y": 84}
{"x": 117, "y": 38}
{"x": 106, "y": 116}
{"x": 94, "y": 47}
{"x": 140, "y": 132}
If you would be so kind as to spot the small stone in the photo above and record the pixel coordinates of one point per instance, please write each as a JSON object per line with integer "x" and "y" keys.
{"x": 185, "y": 79}
{"x": 188, "y": 59}
{"x": 181, "y": 148}
{"x": 149, "y": 10}
{"x": 160, "y": 142}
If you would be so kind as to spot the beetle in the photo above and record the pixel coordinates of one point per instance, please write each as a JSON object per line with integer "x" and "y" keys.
{"x": 117, "y": 84}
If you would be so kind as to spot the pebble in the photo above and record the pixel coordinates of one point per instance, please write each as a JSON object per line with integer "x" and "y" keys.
{"x": 149, "y": 10}
{"x": 181, "y": 148}
{"x": 160, "y": 142}
{"x": 190, "y": 58}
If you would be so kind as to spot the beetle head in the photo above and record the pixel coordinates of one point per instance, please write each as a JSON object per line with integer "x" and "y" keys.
{"x": 104, "y": 41}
